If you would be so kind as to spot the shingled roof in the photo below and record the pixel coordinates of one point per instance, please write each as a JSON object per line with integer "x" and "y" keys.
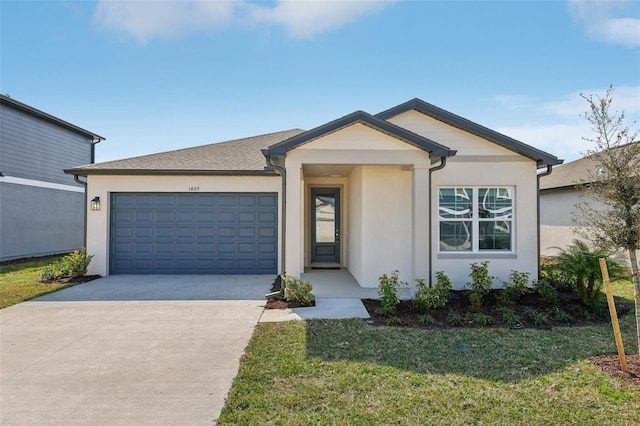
{"x": 569, "y": 175}
{"x": 235, "y": 157}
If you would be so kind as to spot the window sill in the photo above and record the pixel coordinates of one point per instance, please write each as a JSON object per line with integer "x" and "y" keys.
{"x": 476, "y": 255}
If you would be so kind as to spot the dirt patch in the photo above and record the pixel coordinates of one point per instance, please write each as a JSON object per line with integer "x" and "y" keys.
{"x": 610, "y": 364}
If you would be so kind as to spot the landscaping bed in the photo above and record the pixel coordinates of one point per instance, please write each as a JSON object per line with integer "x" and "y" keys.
{"x": 530, "y": 312}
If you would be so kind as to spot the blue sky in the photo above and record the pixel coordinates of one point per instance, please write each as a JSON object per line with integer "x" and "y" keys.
{"x": 155, "y": 76}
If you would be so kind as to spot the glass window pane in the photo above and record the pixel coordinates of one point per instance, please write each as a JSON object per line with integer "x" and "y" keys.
{"x": 325, "y": 219}
{"x": 455, "y": 236}
{"x": 455, "y": 203}
{"x": 495, "y": 203}
{"x": 495, "y": 235}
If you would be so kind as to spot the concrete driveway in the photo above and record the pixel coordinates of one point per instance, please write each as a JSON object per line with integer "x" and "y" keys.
{"x": 127, "y": 350}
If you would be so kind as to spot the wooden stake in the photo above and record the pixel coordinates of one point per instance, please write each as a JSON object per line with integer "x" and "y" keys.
{"x": 614, "y": 315}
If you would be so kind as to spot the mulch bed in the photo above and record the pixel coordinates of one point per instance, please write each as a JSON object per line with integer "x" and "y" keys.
{"x": 78, "y": 280}
{"x": 285, "y": 304}
{"x": 610, "y": 364}
{"x": 408, "y": 317}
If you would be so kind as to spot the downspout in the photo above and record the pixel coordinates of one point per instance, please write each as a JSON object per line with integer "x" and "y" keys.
{"x": 283, "y": 232}
{"x": 547, "y": 173}
{"x": 443, "y": 162}
{"x": 86, "y": 198}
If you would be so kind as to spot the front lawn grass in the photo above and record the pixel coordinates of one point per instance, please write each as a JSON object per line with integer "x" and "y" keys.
{"x": 347, "y": 372}
{"x": 19, "y": 281}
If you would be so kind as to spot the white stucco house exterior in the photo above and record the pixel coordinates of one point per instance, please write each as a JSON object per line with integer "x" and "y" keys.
{"x": 414, "y": 188}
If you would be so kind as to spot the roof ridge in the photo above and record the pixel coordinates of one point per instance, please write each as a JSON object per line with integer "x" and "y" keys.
{"x": 173, "y": 151}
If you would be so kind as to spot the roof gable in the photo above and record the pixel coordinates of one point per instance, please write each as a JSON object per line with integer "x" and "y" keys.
{"x": 434, "y": 148}
{"x": 541, "y": 157}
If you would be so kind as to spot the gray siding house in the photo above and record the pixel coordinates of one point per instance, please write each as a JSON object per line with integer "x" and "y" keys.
{"x": 42, "y": 210}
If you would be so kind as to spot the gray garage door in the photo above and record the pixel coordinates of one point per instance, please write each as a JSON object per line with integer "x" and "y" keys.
{"x": 193, "y": 233}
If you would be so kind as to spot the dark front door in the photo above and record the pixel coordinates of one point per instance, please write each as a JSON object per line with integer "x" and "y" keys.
{"x": 325, "y": 225}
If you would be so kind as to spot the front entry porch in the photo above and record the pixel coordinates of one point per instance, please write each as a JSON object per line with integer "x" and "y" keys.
{"x": 339, "y": 283}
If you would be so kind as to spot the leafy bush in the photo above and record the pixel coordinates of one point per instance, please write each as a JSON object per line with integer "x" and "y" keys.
{"x": 481, "y": 283}
{"x": 455, "y": 318}
{"x": 509, "y": 316}
{"x": 583, "y": 266}
{"x": 475, "y": 302}
{"x": 388, "y": 292}
{"x": 560, "y": 315}
{"x": 538, "y": 318}
{"x": 518, "y": 284}
{"x": 435, "y": 297}
{"x": 426, "y": 319}
{"x": 50, "y": 272}
{"x": 548, "y": 294}
{"x": 394, "y": 321}
{"x": 299, "y": 291}
{"x": 483, "y": 319}
{"x": 73, "y": 265}
{"x": 551, "y": 273}
{"x": 76, "y": 263}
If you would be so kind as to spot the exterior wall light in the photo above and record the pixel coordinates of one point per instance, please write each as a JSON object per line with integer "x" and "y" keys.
{"x": 95, "y": 204}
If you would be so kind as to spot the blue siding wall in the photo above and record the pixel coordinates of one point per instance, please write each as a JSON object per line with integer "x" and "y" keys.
{"x": 39, "y": 221}
{"x": 189, "y": 233}
{"x": 32, "y": 148}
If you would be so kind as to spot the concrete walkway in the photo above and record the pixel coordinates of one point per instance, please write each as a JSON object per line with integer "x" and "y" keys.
{"x": 127, "y": 350}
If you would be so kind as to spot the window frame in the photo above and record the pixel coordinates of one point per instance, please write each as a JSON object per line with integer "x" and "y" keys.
{"x": 476, "y": 220}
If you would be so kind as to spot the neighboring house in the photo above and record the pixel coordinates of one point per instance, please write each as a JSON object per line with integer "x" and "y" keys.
{"x": 41, "y": 208}
{"x": 560, "y": 192}
{"x": 414, "y": 188}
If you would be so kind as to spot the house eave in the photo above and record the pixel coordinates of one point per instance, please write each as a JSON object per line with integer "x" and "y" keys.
{"x": 168, "y": 172}
{"x": 50, "y": 118}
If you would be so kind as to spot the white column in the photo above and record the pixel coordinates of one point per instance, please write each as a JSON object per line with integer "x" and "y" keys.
{"x": 294, "y": 250}
{"x": 420, "y": 224}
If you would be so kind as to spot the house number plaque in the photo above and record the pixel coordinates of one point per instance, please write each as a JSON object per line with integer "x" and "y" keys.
{"x": 194, "y": 188}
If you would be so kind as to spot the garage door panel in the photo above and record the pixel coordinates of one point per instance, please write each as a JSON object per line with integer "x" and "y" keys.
{"x": 170, "y": 233}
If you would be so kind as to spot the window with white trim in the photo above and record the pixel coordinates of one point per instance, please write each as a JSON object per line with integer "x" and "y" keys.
{"x": 475, "y": 219}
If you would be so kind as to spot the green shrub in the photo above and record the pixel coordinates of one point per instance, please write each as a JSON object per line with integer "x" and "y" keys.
{"x": 299, "y": 291}
{"x": 50, "y": 272}
{"x": 555, "y": 276}
{"x": 560, "y": 315}
{"x": 538, "y": 318}
{"x": 509, "y": 316}
{"x": 455, "y": 318}
{"x": 388, "y": 292}
{"x": 73, "y": 265}
{"x": 394, "y": 321}
{"x": 483, "y": 319}
{"x": 435, "y": 297}
{"x": 76, "y": 263}
{"x": 475, "y": 302}
{"x": 518, "y": 284}
{"x": 481, "y": 283}
{"x": 582, "y": 264}
{"x": 548, "y": 294}
{"x": 426, "y": 319}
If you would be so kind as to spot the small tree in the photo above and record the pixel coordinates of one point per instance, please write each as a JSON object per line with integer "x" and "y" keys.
{"x": 610, "y": 213}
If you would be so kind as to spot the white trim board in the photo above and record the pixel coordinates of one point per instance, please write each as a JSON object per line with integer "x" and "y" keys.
{"x": 40, "y": 184}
